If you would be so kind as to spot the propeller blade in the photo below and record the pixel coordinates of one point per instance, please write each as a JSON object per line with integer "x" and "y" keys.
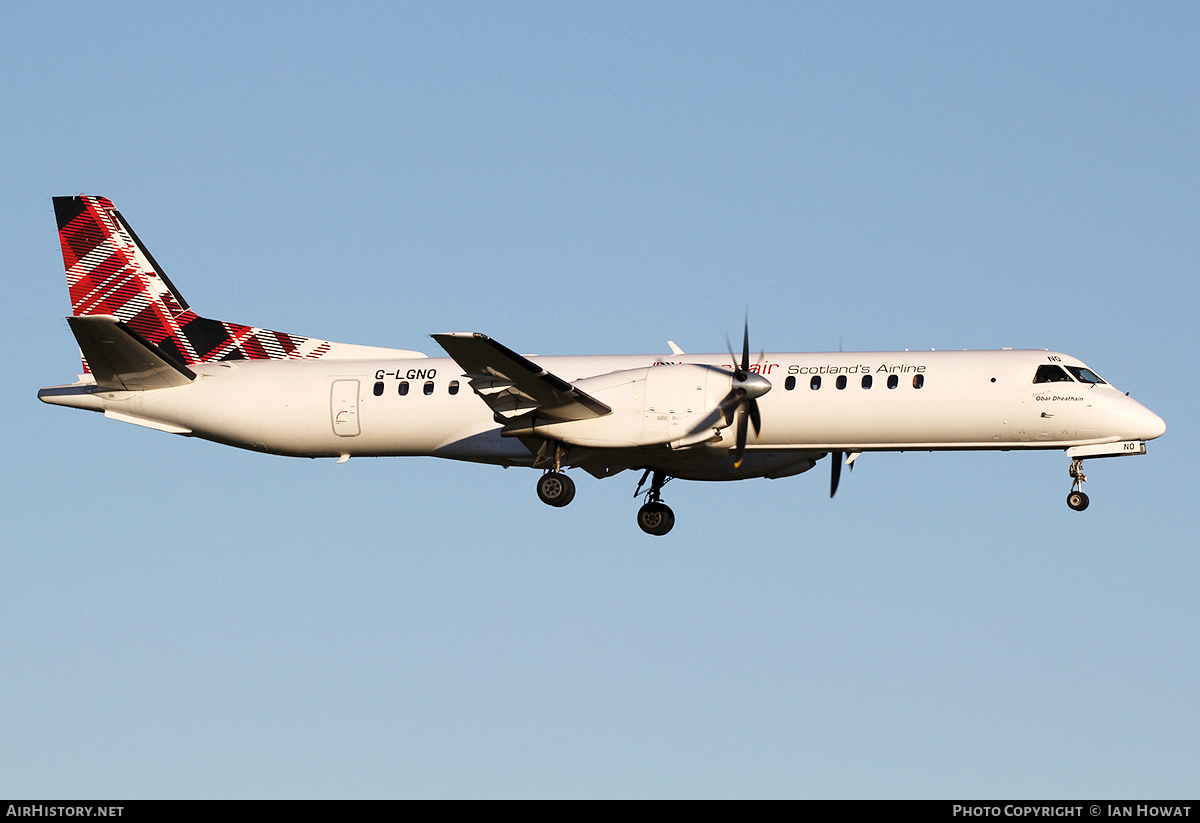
{"x": 729, "y": 404}
{"x": 746, "y": 344}
{"x": 755, "y": 419}
{"x": 741, "y": 441}
{"x": 837, "y": 472}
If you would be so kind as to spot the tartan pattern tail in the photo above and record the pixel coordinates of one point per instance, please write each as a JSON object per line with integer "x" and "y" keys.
{"x": 109, "y": 271}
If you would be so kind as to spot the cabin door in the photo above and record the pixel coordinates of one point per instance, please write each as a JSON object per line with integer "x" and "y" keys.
{"x": 343, "y": 407}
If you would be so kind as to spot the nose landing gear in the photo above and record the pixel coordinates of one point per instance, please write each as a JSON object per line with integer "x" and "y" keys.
{"x": 655, "y": 517}
{"x": 1077, "y": 500}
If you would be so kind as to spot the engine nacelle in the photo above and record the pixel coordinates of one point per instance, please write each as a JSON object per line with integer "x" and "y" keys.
{"x": 668, "y": 404}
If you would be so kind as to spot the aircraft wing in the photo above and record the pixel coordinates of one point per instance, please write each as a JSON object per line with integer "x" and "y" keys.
{"x": 513, "y": 385}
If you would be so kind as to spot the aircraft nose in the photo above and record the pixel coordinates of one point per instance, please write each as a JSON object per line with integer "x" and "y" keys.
{"x": 1149, "y": 424}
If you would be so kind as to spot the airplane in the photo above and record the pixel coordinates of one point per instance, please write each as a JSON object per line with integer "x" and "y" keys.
{"x": 149, "y": 359}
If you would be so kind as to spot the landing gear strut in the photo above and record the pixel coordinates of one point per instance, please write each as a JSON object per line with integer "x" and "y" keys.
{"x": 655, "y": 517}
{"x": 1077, "y": 500}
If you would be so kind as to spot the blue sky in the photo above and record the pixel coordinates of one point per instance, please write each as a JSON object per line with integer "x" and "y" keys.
{"x": 186, "y": 620}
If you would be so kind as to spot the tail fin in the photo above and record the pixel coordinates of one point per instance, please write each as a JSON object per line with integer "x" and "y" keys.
{"x": 110, "y": 272}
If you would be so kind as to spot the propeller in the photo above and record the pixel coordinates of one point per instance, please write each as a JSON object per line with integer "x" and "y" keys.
{"x": 837, "y": 468}
{"x": 742, "y": 400}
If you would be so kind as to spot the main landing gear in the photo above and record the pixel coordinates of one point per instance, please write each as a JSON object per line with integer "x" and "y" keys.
{"x": 655, "y": 517}
{"x": 1077, "y": 500}
{"x": 556, "y": 489}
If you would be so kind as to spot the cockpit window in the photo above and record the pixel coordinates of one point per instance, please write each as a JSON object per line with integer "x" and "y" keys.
{"x": 1084, "y": 375}
{"x": 1051, "y": 374}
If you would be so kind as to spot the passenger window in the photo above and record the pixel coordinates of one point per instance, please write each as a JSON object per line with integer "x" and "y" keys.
{"x": 815, "y": 383}
{"x": 918, "y": 381}
{"x": 841, "y": 381}
{"x": 1084, "y": 375}
{"x": 1051, "y": 374}
{"x": 866, "y": 381}
{"x": 379, "y": 388}
{"x": 453, "y": 387}
{"x": 790, "y": 383}
{"x": 893, "y": 381}
{"x": 428, "y": 387}
{"x": 403, "y": 387}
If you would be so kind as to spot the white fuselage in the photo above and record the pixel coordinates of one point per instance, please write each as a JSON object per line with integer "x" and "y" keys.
{"x": 915, "y": 400}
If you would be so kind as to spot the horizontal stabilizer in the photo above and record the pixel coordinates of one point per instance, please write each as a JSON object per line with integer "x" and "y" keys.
{"x": 512, "y": 385}
{"x": 122, "y": 360}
